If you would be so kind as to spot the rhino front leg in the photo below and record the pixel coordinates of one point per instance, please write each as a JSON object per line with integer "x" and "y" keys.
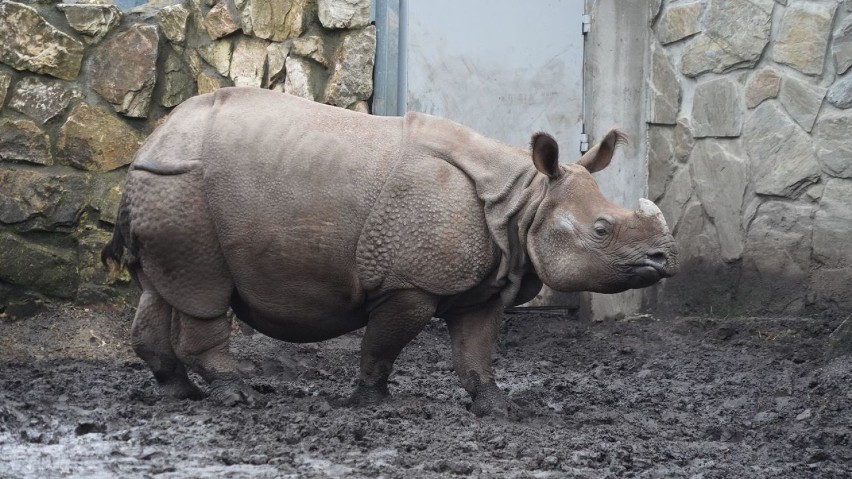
{"x": 474, "y": 337}
{"x": 203, "y": 344}
{"x": 150, "y": 338}
{"x": 394, "y": 322}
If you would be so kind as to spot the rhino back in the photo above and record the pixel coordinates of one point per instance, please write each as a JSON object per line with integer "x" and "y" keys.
{"x": 290, "y": 184}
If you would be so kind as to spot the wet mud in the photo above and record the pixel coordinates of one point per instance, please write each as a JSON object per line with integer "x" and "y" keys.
{"x": 689, "y": 397}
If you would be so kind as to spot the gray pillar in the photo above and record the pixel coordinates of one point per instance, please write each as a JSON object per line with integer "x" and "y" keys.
{"x": 615, "y": 63}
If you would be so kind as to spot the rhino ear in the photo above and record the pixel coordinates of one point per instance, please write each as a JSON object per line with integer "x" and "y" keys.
{"x": 545, "y": 155}
{"x": 601, "y": 154}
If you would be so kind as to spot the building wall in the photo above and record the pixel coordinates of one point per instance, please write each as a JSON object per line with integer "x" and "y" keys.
{"x": 750, "y": 156}
{"x": 82, "y": 85}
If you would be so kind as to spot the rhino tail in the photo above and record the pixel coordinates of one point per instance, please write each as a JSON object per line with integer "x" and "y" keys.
{"x": 113, "y": 252}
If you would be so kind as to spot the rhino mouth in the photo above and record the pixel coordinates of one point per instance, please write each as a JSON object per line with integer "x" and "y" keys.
{"x": 647, "y": 273}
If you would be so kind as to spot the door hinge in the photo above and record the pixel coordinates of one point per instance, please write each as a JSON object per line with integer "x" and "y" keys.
{"x": 584, "y": 142}
{"x": 587, "y": 24}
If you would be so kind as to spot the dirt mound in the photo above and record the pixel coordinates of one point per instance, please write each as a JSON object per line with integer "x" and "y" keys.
{"x": 694, "y": 397}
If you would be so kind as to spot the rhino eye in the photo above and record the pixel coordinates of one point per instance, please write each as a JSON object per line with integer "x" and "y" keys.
{"x": 602, "y": 227}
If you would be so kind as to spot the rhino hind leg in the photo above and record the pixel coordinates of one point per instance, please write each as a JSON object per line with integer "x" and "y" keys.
{"x": 474, "y": 335}
{"x": 393, "y": 323}
{"x": 203, "y": 345}
{"x": 151, "y": 340}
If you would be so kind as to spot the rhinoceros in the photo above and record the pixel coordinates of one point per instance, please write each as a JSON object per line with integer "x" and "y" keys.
{"x": 310, "y": 221}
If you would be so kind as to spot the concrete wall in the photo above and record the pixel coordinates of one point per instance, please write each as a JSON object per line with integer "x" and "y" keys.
{"x": 82, "y": 85}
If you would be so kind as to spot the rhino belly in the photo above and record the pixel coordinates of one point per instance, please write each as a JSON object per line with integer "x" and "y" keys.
{"x": 304, "y": 319}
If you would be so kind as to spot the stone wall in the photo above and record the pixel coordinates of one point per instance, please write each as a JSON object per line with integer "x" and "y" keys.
{"x": 82, "y": 85}
{"x": 750, "y": 153}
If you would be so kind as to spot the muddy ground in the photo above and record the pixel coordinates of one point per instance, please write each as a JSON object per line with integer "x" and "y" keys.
{"x": 691, "y": 397}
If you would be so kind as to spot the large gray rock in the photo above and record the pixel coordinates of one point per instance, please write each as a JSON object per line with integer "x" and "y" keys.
{"x": 720, "y": 176}
{"x": 300, "y": 78}
{"x": 840, "y": 93}
{"x": 782, "y": 154}
{"x": 735, "y": 34}
{"x": 248, "y": 62}
{"x": 803, "y": 37}
{"x": 833, "y": 225}
{"x": 664, "y": 89}
{"x": 706, "y": 284}
{"x": 93, "y": 140}
{"x": 312, "y": 47}
{"x": 716, "y": 109}
{"x": 23, "y": 140}
{"x": 124, "y": 70}
{"x": 276, "y": 57}
{"x": 94, "y": 281}
{"x": 209, "y": 82}
{"x": 46, "y": 269}
{"x": 173, "y": 21}
{"x": 42, "y": 200}
{"x": 277, "y": 20}
{"x": 763, "y": 85}
{"x": 833, "y": 145}
{"x": 842, "y": 46}
{"x": 802, "y": 100}
{"x": 352, "y": 76}
{"x": 683, "y": 139}
{"x": 5, "y": 81}
{"x": 777, "y": 258}
{"x": 661, "y": 164}
{"x": 220, "y": 22}
{"x": 28, "y": 42}
{"x": 178, "y": 82}
{"x": 344, "y": 13}
{"x": 679, "y": 21}
{"x": 194, "y": 63}
{"x": 678, "y": 194}
{"x": 217, "y": 55}
{"x": 830, "y": 289}
{"x": 106, "y": 194}
{"x": 40, "y": 98}
{"x": 93, "y": 22}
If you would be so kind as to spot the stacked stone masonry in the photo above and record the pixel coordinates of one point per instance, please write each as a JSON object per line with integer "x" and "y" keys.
{"x": 82, "y": 84}
{"x": 750, "y": 153}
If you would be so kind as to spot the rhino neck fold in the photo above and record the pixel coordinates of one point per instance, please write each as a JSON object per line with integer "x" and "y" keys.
{"x": 506, "y": 182}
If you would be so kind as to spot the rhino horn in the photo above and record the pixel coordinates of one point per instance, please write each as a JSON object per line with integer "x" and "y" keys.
{"x": 649, "y": 209}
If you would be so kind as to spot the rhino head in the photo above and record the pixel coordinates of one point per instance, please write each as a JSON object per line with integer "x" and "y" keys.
{"x": 580, "y": 241}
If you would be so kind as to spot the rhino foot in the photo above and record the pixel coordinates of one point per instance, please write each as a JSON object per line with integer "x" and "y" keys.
{"x": 181, "y": 389}
{"x": 490, "y": 401}
{"x": 234, "y": 393}
{"x": 365, "y": 396}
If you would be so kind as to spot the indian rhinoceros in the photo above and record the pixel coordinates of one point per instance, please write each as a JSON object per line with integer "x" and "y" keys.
{"x": 311, "y": 221}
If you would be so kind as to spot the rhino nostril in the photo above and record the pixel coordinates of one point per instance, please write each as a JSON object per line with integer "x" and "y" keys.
{"x": 658, "y": 257}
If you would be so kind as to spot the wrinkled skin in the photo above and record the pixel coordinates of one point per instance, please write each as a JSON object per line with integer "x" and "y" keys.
{"x": 311, "y": 221}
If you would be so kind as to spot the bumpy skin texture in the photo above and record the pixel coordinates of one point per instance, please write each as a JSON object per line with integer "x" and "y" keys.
{"x": 312, "y": 221}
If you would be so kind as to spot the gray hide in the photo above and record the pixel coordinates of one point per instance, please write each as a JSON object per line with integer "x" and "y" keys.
{"x": 311, "y": 221}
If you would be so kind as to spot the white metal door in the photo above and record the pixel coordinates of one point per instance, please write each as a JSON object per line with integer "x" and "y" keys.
{"x": 503, "y": 67}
